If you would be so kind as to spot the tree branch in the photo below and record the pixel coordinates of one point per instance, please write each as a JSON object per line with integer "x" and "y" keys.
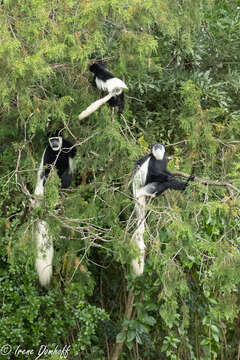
{"x": 207, "y": 181}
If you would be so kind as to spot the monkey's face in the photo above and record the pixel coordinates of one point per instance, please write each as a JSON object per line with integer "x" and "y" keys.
{"x": 158, "y": 151}
{"x": 116, "y": 91}
{"x": 55, "y": 143}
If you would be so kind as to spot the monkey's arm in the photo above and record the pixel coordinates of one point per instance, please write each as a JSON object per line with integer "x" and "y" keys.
{"x": 72, "y": 153}
{"x": 66, "y": 179}
{"x": 138, "y": 164}
{"x": 167, "y": 176}
{"x": 69, "y": 148}
{"x": 176, "y": 184}
{"x": 159, "y": 177}
{"x": 157, "y": 188}
{"x": 141, "y": 161}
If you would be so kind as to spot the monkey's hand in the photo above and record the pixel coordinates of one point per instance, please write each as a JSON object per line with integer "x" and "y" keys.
{"x": 191, "y": 178}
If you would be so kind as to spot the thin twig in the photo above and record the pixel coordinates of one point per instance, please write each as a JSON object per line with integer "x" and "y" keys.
{"x": 207, "y": 181}
{"x": 131, "y": 97}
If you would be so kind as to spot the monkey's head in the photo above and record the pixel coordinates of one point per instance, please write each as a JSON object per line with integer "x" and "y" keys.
{"x": 55, "y": 140}
{"x": 158, "y": 151}
{"x": 98, "y": 65}
{"x": 55, "y": 143}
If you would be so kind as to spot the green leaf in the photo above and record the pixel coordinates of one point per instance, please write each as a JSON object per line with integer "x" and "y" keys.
{"x": 205, "y": 341}
{"x": 138, "y": 339}
{"x": 121, "y": 337}
{"x": 131, "y": 335}
{"x": 215, "y": 328}
{"x": 149, "y": 320}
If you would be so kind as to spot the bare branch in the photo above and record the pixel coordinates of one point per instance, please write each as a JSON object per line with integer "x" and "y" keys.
{"x": 207, "y": 181}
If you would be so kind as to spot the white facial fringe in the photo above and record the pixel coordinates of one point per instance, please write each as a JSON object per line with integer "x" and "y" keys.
{"x": 159, "y": 153}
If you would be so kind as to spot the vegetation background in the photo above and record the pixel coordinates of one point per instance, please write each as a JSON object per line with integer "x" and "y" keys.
{"x": 180, "y": 60}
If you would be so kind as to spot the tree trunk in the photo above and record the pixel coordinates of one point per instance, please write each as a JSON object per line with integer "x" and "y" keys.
{"x": 128, "y": 312}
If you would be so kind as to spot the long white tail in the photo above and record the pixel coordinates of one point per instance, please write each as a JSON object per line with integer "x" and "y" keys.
{"x": 39, "y": 189}
{"x": 94, "y": 106}
{"x": 138, "y": 262}
{"x": 44, "y": 245}
{"x": 138, "y": 236}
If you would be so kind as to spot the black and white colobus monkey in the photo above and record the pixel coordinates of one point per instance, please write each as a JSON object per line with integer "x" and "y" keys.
{"x": 58, "y": 153}
{"x": 151, "y": 176}
{"x": 106, "y": 81}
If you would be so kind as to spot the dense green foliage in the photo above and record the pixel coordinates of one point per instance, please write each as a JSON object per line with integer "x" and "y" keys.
{"x": 180, "y": 60}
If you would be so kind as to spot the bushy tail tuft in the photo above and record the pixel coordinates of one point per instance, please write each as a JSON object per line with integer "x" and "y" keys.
{"x": 44, "y": 257}
{"x": 138, "y": 262}
{"x": 138, "y": 240}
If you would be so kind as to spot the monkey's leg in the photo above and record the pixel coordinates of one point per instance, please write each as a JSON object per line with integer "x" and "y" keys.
{"x": 175, "y": 184}
{"x": 157, "y": 188}
{"x": 66, "y": 179}
{"x": 152, "y": 189}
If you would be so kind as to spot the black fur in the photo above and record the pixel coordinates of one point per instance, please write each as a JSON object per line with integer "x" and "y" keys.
{"x": 157, "y": 170}
{"x": 101, "y": 72}
{"x": 159, "y": 178}
{"x": 60, "y": 159}
{"x": 118, "y": 101}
